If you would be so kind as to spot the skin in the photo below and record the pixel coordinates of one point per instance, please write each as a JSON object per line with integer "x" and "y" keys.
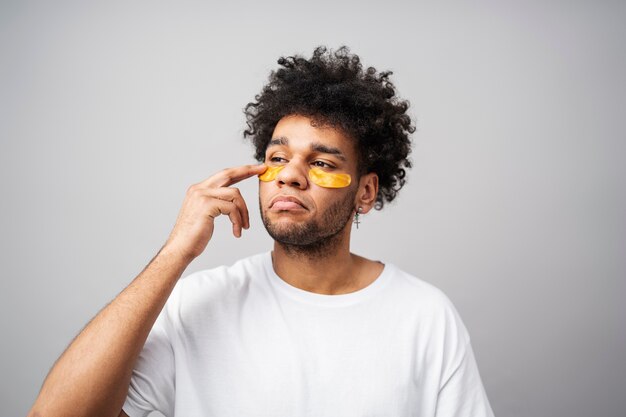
{"x": 336, "y": 271}
{"x": 92, "y": 376}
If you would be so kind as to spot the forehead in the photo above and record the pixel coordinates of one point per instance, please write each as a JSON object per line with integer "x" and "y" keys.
{"x": 300, "y": 134}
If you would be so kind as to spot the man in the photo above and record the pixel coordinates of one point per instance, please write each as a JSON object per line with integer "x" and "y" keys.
{"x": 308, "y": 329}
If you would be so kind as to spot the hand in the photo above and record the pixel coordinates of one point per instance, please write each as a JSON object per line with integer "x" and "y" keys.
{"x": 203, "y": 203}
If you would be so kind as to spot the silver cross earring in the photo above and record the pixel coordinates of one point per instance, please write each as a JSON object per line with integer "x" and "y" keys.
{"x": 356, "y": 217}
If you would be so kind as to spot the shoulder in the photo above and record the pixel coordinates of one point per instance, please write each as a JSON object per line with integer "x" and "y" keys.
{"x": 241, "y": 270}
{"x": 416, "y": 289}
{"x": 218, "y": 284}
{"x": 429, "y": 304}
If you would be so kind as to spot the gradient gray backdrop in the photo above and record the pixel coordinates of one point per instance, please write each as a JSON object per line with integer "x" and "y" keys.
{"x": 515, "y": 207}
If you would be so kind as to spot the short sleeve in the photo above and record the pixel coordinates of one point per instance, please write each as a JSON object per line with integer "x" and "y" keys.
{"x": 461, "y": 391}
{"x": 152, "y": 382}
{"x": 462, "y": 394}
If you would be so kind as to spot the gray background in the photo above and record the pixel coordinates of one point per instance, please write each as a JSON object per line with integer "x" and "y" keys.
{"x": 515, "y": 207}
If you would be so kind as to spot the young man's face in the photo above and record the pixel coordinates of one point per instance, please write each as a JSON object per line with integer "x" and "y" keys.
{"x": 295, "y": 210}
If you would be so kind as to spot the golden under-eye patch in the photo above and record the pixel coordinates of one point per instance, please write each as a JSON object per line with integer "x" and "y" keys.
{"x": 316, "y": 175}
{"x": 270, "y": 173}
{"x": 329, "y": 179}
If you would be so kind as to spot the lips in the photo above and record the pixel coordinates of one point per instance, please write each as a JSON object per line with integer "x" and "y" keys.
{"x": 286, "y": 203}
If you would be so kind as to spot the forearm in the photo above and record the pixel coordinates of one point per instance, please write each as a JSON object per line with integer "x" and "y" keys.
{"x": 92, "y": 376}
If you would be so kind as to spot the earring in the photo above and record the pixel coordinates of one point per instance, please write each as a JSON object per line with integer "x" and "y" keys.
{"x": 356, "y": 217}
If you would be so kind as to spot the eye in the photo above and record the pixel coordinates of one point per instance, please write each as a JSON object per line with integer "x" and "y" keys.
{"x": 322, "y": 164}
{"x": 278, "y": 159}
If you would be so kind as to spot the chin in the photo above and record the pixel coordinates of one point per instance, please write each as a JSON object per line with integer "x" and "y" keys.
{"x": 284, "y": 223}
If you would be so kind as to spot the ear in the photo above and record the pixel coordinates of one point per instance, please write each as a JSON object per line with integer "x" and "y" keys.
{"x": 367, "y": 192}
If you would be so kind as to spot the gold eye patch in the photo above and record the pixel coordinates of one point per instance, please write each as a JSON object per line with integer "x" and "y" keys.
{"x": 329, "y": 179}
{"x": 270, "y": 173}
{"x": 316, "y": 175}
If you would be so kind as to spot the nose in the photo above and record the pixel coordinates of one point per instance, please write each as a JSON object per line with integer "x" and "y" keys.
{"x": 293, "y": 174}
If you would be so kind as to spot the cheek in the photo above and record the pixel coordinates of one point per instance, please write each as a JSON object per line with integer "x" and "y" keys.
{"x": 263, "y": 187}
{"x": 267, "y": 190}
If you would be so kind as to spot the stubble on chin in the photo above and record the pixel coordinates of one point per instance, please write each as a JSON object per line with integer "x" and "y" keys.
{"x": 314, "y": 238}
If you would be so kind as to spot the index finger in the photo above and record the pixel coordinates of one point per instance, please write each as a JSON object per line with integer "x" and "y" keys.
{"x": 230, "y": 176}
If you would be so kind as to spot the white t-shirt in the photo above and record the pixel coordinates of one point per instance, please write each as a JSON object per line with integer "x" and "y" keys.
{"x": 240, "y": 341}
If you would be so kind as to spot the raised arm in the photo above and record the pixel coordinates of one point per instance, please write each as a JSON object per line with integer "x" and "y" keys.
{"x": 92, "y": 376}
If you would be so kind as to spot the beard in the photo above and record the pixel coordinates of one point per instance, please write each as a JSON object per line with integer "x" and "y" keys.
{"x": 317, "y": 237}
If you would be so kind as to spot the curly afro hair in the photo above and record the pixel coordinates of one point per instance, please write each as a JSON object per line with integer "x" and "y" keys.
{"x": 333, "y": 89}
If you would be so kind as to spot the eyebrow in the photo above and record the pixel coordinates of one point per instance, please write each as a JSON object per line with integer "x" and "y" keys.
{"x": 281, "y": 140}
{"x": 317, "y": 147}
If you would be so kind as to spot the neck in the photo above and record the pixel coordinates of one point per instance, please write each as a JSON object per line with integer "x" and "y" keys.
{"x": 327, "y": 267}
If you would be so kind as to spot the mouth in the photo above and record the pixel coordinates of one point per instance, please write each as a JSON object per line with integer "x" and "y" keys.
{"x": 286, "y": 203}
